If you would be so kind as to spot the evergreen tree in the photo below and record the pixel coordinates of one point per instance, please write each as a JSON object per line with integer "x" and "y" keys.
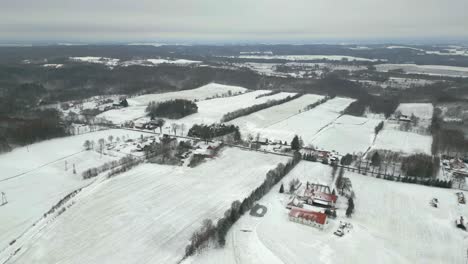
{"x": 375, "y": 160}
{"x": 295, "y": 144}
{"x": 350, "y": 209}
{"x": 281, "y": 190}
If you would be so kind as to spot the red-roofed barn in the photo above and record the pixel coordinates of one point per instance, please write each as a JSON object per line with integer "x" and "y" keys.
{"x": 307, "y": 217}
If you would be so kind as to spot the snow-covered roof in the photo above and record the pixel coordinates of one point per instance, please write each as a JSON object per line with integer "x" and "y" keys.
{"x": 317, "y": 217}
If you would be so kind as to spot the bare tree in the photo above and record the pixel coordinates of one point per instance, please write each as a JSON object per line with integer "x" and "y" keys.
{"x": 101, "y": 143}
{"x": 110, "y": 138}
{"x": 182, "y": 128}
{"x": 87, "y": 145}
{"x": 160, "y": 123}
{"x": 174, "y": 128}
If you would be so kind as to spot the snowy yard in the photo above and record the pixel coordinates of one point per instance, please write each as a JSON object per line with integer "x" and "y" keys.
{"x": 382, "y": 231}
{"x": 34, "y": 177}
{"x": 147, "y": 214}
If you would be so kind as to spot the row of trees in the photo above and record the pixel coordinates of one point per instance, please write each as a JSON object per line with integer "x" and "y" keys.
{"x": 254, "y": 108}
{"x": 268, "y": 94}
{"x": 125, "y": 162}
{"x": 421, "y": 165}
{"x": 173, "y": 109}
{"x": 379, "y": 127}
{"x": 376, "y": 104}
{"x": 207, "y": 132}
{"x": 319, "y": 102}
{"x": 218, "y": 233}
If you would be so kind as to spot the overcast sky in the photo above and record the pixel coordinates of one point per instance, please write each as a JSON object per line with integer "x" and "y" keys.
{"x": 230, "y": 20}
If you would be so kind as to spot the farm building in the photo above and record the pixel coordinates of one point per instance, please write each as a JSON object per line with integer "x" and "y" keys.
{"x": 307, "y": 217}
{"x": 322, "y": 199}
{"x": 318, "y": 194}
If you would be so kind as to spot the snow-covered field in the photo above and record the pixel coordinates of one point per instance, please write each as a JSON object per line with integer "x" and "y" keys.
{"x": 304, "y": 57}
{"x": 436, "y": 70}
{"x": 256, "y": 121}
{"x": 112, "y": 62}
{"x": 348, "y": 134}
{"x": 420, "y": 110}
{"x": 147, "y": 214}
{"x": 392, "y": 138}
{"x": 306, "y": 124}
{"x": 137, "y": 105}
{"x": 393, "y": 223}
{"x": 34, "y": 178}
{"x": 211, "y": 111}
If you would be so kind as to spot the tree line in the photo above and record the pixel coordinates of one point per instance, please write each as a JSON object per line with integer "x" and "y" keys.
{"x": 217, "y": 233}
{"x": 173, "y": 109}
{"x": 125, "y": 164}
{"x": 207, "y": 132}
{"x": 319, "y": 102}
{"x": 255, "y": 108}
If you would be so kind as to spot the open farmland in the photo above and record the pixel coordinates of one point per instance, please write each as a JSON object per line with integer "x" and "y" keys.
{"x": 137, "y": 105}
{"x": 304, "y": 57}
{"x": 307, "y": 123}
{"x": 392, "y": 138}
{"x": 420, "y": 110}
{"x": 148, "y": 214}
{"x": 435, "y": 70}
{"x": 211, "y": 111}
{"x": 382, "y": 230}
{"x": 348, "y": 134}
{"x": 272, "y": 115}
{"x": 38, "y": 170}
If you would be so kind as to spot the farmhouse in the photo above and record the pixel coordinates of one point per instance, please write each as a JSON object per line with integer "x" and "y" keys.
{"x": 317, "y": 194}
{"x": 404, "y": 118}
{"x": 307, "y": 217}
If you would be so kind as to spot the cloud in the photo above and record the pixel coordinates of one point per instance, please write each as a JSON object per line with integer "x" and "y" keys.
{"x": 126, "y": 20}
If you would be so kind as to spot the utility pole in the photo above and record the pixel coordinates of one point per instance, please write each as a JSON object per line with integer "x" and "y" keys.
{"x": 4, "y": 199}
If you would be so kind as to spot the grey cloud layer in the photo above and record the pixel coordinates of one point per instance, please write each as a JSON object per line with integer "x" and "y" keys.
{"x": 235, "y": 19}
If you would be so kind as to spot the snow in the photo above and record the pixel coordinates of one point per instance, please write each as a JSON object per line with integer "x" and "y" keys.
{"x": 305, "y": 57}
{"x": 137, "y": 105}
{"x": 421, "y": 110}
{"x": 348, "y": 134}
{"x": 148, "y": 214}
{"x": 306, "y": 124}
{"x": 404, "y": 47}
{"x": 177, "y": 61}
{"x": 211, "y": 111}
{"x": 393, "y": 223}
{"x": 392, "y": 138}
{"x": 98, "y": 60}
{"x": 450, "y": 52}
{"x": 51, "y": 65}
{"x": 41, "y": 178}
{"x": 436, "y": 70}
{"x": 269, "y": 116}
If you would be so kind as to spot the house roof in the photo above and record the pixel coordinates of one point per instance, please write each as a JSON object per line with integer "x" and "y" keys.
{"x": 318, "y": 217}
{"x": 325, "y": 196}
